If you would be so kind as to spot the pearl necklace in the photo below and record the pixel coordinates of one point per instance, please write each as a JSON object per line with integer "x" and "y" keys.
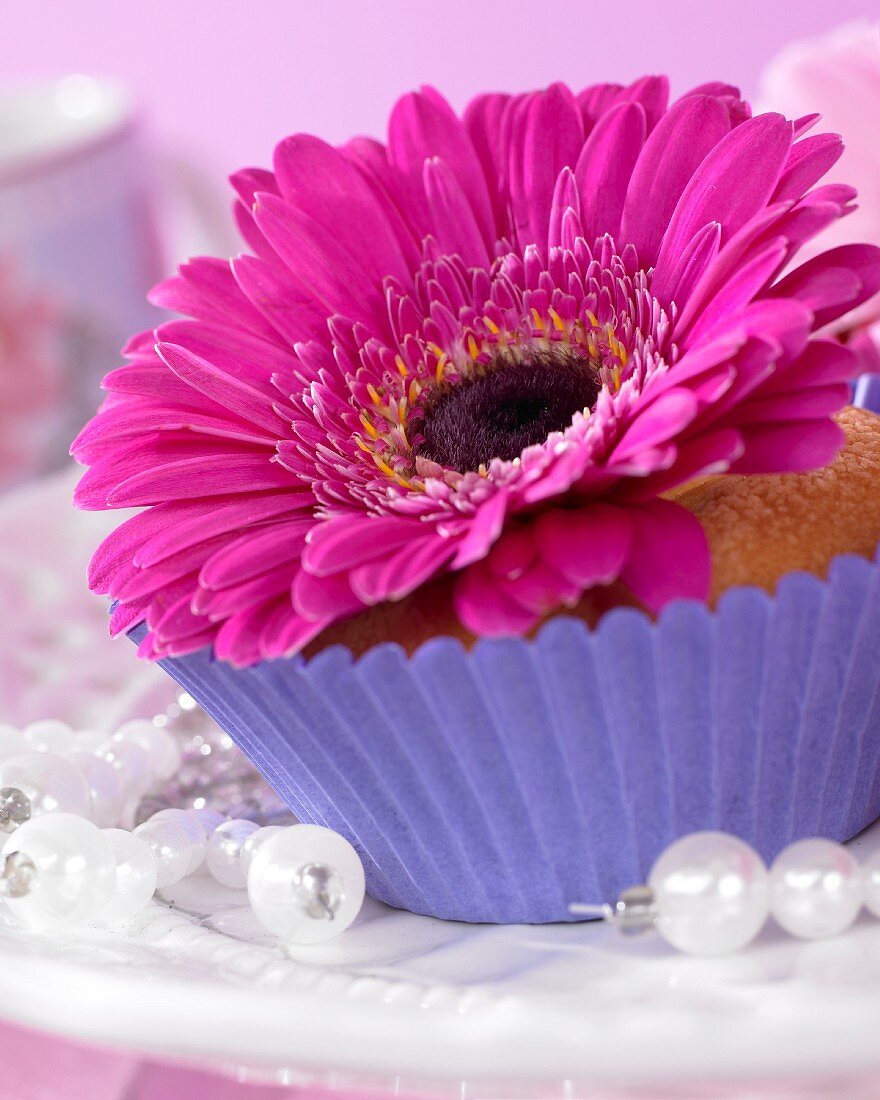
{"x": 67, "y": 863}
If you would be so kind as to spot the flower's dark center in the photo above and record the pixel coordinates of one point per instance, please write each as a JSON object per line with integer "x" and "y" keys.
{"x": 509, "y": 405}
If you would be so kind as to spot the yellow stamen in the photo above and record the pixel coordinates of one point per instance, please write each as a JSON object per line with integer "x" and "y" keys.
{"x": 384, "y": 467}
{"x": 557, "y": 320}
{"x": 491, "y": 326}
{"x": 401, "y": 366}
{"x": 368, "y": 424}
{"x": 374, "y": 394}
{"x": 593, "y": 319}
{"x": 473, "y": 346}
{"x": 538, "y": 319}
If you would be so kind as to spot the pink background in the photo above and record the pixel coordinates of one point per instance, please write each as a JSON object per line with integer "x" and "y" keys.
{"x": 224, "y": 79}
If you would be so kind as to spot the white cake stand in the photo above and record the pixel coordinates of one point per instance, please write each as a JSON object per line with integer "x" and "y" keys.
{"x": 409, "y": 1005}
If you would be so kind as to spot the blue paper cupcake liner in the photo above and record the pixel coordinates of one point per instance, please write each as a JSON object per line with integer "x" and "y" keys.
{"x": 504, "y": 782}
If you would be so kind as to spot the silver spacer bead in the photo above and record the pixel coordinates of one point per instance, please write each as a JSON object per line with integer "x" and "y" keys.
{"x": 15, "y": 809}
{"x": 18, "y": 875}
{"x": 636, "y": 909}
{"x": 319, "y": 891}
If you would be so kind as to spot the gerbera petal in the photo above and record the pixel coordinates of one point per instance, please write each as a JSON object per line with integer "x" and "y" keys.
{"x": 547, "y": 137}
{"x": 422, "y": 126}
{"x": 731, "y": 185}
{"x": 402, "y": 572}
{"x": 215, "y": 474}
{"x": 341, "y": 544}
{"x": 483, "y": 122}
{"x": 587, "y": 545}
{"x": 456, "y": 228}
{"x": 484, "y": 528}
{"x": 540, "y": 589}
{"x": 669, "y": 555}
{"x": 652, "y": 93}
{"x": 808, "y": 161}
{"x": 219, "y": 385}
{"x": 662, "y": 420}
{"x": 605, "y": 165}
{"x": 293, "y": 313}
{"x": 325, "y": 187}
{"x": 737, "y": 292}
{"x": 789, "y": 447}
{"x": 834, "y": 282}
{"x": 255, "y": 553}
{"x": 324, "y": 598}
{"x": 484, "y": 609}
{"x": 670, "y": 157}
{"x": 319, "y": 262}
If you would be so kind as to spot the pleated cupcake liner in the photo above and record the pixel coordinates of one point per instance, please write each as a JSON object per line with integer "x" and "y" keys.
{"x": 503, "y": 782}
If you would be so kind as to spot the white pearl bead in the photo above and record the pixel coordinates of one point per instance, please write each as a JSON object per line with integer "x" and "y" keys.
{"x": 306, "y": 884}
{"x": 104, "y": 785}
{"x": 136, "y": 877}
{"x": 48, "y": 736}
{"x": 87, "y": 741}
{"x": 196, "y": 834}
{"x": 49, "y": 782}
{"x": 871, "y": 883}
{"x": 210, "y": 819}
{"x": 816, "y": 888}
{"x": 132, "y": 762}
{"x": 712, "y": 893}
{"x": 253, "y": 844}
{"x": 11, "y": 742}
{"x": 73, "y": 876}
{"x": 161, "y": 746}
{"x": 171, "y": 850}
{"x": 224, "y": 852}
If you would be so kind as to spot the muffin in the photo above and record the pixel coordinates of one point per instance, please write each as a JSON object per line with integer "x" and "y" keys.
{"x": 434, "y": 479}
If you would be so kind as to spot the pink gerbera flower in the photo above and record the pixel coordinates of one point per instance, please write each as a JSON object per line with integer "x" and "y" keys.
{"x": 485, "y": 349}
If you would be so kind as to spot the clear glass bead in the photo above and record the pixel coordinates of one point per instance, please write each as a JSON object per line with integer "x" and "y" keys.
{"x": 195, "y": 831}
{"x": 171, "y": 850}
{"x": 712, "y": 893}
{"x": 133, "y": 764}
{"x": 224, "y": 851}
{"x": 871, "y": 883}
{"x": 49, "y": 735}
{"x": 158, "y": 743}
{"x": 136, "y": 877}
{"x": 15, "y": 809}
{"x": 105, "y": 786}
{"x": 253, "y": 844}
{"x": 816, "y": 888}
{"x": 49, "y": 782}
{"x": 74, "y": 871}
{"x": 11, "y": 742}
{"x": 306, "y": 884}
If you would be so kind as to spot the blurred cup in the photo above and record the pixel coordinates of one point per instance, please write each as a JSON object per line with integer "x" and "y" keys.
{"x": 79, "y": 249}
